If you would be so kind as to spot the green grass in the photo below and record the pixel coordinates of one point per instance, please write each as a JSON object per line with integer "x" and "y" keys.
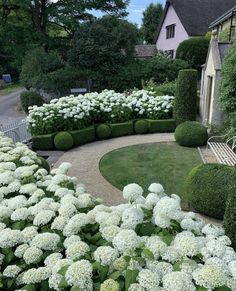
{"x": 10, "y": 89}
{"x": 165, "y": 163}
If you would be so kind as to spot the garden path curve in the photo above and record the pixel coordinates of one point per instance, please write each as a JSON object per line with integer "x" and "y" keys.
{"x": 85, "y": 163}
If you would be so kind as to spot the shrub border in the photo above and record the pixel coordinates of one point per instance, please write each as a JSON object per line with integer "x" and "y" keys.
{"x": 118, "y": 130}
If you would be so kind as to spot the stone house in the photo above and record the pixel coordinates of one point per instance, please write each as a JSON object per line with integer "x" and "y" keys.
{"x": 210, "y": 111}
{"x": 183, "y": 19}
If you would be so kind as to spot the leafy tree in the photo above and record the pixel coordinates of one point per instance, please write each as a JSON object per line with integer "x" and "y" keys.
{"x": 194, "y": 51}
{"x": 104, "y": 44}
{"x": 228, "y": 84}
{"x": 151, "y": 20}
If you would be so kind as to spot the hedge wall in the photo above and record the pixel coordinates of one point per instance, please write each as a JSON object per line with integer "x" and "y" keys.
{"x": 89, "y": 134}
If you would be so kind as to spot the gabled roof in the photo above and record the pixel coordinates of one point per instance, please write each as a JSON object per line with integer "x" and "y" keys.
{"x": 196, "y": 15}
{"x": 145, "y": 50}
{"x": 223, "y": 17}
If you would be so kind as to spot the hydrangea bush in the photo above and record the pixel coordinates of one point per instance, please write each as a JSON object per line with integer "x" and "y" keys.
{"x": 69, "y": 113}
{"x": 56, "y": 236}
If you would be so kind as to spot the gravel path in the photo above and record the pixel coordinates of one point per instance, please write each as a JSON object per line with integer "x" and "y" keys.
{"x": 85, "y": 163}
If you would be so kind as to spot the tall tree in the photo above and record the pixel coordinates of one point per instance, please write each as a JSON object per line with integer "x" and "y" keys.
{"x": 151, "y": 20}
{"x": 63, "y": 13}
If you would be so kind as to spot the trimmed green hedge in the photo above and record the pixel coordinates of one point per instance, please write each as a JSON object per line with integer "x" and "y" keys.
{"x": 43, "y": 142}
{"x": 165, "y": 125}
{"x": 185, "y": 107}
{"x": 141, "y": 126}
{"x": 83, "y": 136}
{"x": 230, "y": 213}
{"x": 63, "y": 141}
{"x": 30, "y": 98}
{"x": 103, "y": 131}
{"x": 122, "y": 129}
{"x": 191, "y": 134}
{"x": 207, "y": 188}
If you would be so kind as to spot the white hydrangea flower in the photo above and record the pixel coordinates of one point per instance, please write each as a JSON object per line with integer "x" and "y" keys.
{"x": 170, "y": 254}
{"x": 79, "y": 274}
{"x": 178, "y": 281}
{"x": 29, "y": 233}
{"x": 43, "y": 217}
{"x": 156, "y": 246}
{"x": 107, "y": 219}
{"x": 20, "y": 250}
{"x": 46, "y": 241}
{"x": 32, "y": 255}
{"x": 162, "y": 268}
{"x": 211, "y": 229}
{"x": 20, "y": 214}
{"x": 132, "y": 192}
{"x": 77, "y": 250}
{"x": 33, "y": 276}
{"x": 157, "y": 189}
{"x": 28, "y": 189}
{"x": 5, "y": 212}
{"x": 11, "y": 271}
{"x": 131, "y": 217}
{"x": 209, "y": 276}
{"x": 120, "y": 264}
{"x": 109, "y": 232}
{"x": 52, "y": 259}
{"x": 186, "y": 244}
{"x": 105, "y": 255}
{"x": 126, "y": 240}
{"x": 2, "y": 226}
{"x": 84, "y": 201}
{"x": 67, "y": 210}
{"x": 148, "y": 280}
{"x": 10, "y": 238}
{"x": 59, "y": 223}
{"x": 110, "y": 285}
{"x": 151, "y": 200}
{"x": 75, "y": 224}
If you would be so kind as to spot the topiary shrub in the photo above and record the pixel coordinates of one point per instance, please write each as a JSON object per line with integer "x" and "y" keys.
{"x": 191, "y": 134}
{"x": 43, "y": 142}
{"x": 30, "y": 98}
{"x": 230, "y": 213}
{"x": 103, "y": 131}
{"x": 194, "y": 51}
{"x": 207, "y": 188}
{"x": 165, "y": 125}
{"x": 44, "y": 163}
{"x": 185, "y": 107}
{"x": 63, "y": 141}
{"x": 83, "y": 136}
{"x": 141, "y": 126}
{"x": 122, "y": 129}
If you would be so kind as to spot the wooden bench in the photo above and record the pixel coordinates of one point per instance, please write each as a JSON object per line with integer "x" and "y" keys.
{"x": 224, "y": 151}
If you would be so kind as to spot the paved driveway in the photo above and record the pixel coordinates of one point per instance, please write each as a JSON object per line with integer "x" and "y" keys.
{"x": 8, "y": 105}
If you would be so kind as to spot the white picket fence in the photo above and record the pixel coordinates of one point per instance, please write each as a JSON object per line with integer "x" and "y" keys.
{"x": 17, "y": 131}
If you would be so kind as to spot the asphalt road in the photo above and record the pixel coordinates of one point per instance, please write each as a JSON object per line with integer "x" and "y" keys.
{"x": 8, "y": 105}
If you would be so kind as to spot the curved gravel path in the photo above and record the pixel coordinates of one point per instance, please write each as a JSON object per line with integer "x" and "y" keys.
{"x": 85, "y": 163}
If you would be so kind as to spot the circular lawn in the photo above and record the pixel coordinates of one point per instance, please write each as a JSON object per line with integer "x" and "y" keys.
{"x": 165, "y": 163}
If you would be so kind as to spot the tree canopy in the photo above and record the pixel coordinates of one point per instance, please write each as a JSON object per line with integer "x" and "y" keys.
{"x": 151, "y": 20}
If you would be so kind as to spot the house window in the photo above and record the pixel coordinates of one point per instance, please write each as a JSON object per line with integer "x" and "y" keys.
{"x": 170, "y": 31}
{"x": 170, "y": 54}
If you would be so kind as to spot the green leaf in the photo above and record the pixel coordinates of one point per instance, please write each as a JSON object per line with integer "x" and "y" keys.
{"x": 116, "y": 275}
{"x": 146, "y": 229}
{"x": 63, "y": 284}
{"x": 10, "y": 282}
{"x": 127, "y": 258}
{"x": 63, "y": 270}
{"x": 166, "y": 237}
{"x": 103, "y": 271}
{"x": 176, "y": 266}
{"x": 130, "y": 278}
{"x": 199, "y": 288}
{"x": 223, "y": 288}
{"x": 147, "y": 253}
{"x": 9, "y": 256}
{"x": 29, "y": 288}
{"x": 44, "y": 286}
{"x": 75, "y": 289}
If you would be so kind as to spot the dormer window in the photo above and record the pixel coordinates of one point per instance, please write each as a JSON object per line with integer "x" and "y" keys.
{"x": 170, "y": 31}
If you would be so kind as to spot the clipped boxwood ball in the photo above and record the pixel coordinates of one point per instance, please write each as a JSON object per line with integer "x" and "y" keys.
{"x": 103, "y": 131}
{"x": 207, "y": 187}
{"x": 191, "y": 134}
{"x": 63, "y": 141}
{"x": 141, "y": 126}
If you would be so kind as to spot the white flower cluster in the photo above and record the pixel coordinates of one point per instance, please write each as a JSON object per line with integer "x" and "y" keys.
{"x": 87, "y": 109}
{"x": 51, "y": 229}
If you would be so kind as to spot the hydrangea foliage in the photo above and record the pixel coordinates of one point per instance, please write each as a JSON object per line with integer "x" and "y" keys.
{"x": 72, "y": 113}
{"x": 55, "y": 236}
